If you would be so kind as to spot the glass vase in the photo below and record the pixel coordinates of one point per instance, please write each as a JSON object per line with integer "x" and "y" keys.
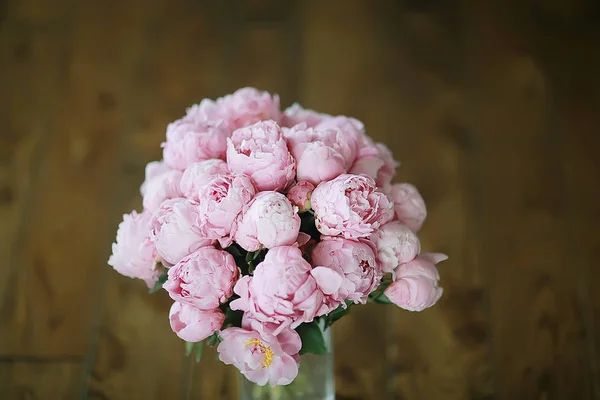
{"x": 315, "y": 380}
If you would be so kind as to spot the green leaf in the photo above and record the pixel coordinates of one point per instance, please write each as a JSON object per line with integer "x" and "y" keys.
{"x": 235, "y": 250}
{"x": 213, "y": 339}
{"x": 254, "y": 258}
{"x": 377, "y": 296}
{"x": 312, "y": 339}
{"x": 251, "y": 255}
{"x": 307, "y": 225}
{"x": 245, "y": 260}
{"x": 199, "y": 347}
{"x": 337, "y": 313}
{"x": 251, "y": 268}
{"x": 159, "y": 283}
{"x": 189, "y": 346}
{"x": 382, "y": 299}
{"x": 233, "y": 318}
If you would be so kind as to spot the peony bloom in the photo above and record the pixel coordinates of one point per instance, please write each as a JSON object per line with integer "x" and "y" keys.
{"x": 261, "y": 152}
{"x": 133, "y": 253}
{"x": 348, "y": 125}
{"x": 270, "y": 220}
{"x": 192, "y": 324}
{"x": 318, "y": 163}
{"x": 209, "y": 112}
{"x": 396, "y": 244}
{"x": 350, "y": 206}
{"x": 159, "y": 188}
{"x": 262, "y": 358}
{"x": 221, "y": 201}
{"x": 248, "y": 106}
{"x": 354, "y": 261}
{"x": 376, "y": 161}
{"x": 300, "y": 193}
{"x": 190, "y": 140}
{"x": 349, "y": 135}
{"x": 409, "y": 205}
{"x": 204, "y": 279}
{"x": 175, "y": 231}
{"x": 198, "y": 174}
{"x": 155, "y": 168}
{"x": 416, "y": 285}
{"x": 283, "y": 292}
{"x": 320, "y": 155}
{"x": 295, "y": 114}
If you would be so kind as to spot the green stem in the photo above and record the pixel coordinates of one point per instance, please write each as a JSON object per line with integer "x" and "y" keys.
{"x": 376, "y": 294}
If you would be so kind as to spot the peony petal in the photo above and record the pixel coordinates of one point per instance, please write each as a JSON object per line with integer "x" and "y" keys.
{"x": 327, "y": 279}
{"x": 434, "y": 258}
{"x": 303, "y": 238}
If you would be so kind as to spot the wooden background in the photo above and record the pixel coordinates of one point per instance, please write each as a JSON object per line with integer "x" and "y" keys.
{"x": 492, "y": 107}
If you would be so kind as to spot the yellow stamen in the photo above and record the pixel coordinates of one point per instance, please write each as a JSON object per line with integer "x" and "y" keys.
{"x": 266, "y": 350}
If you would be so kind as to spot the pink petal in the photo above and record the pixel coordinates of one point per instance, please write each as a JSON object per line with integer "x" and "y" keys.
{"x": 434, "y": 258}
{"x": 327, "y": 279}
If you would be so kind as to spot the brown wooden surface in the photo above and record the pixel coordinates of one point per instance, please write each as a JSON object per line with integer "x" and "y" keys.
{"x": 493, "y": 108}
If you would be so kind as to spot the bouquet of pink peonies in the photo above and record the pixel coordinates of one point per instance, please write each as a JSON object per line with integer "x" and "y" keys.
{"x": 266, "y": 227}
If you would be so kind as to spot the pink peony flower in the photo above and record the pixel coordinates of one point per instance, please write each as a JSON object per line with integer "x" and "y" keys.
{"x": 300, "y": 193}
{"x": 409, "y": 205}
{"x": 295, "y": 114}
{"x": 209, "y": 112}
{"x": 318, "y": 163}
{"x": 248, "y": 106}
{"x": 155, "y": 168}
{"x": 396, "y": 244}
{"x": 190, "y": 140}
{"x": 349, "y": 134}
{"x": 355, "y": 262}
{"x": 159, "y": 188}
{"x": 270, "y": 220}
{"x": 133, "y": 254}
{"x": 416, "y": 285}
{"x": 175, "y": 231}
{"x": 318, "y": 154}
{"x": 204, "y": 279}
{"x": 348, "y": 125}
{"x": 221, "y": 201}
{"x": 350, "y": 206}
{"x": 193, "y": 324}
{"x": 376, "y": 161}
{"x": 283, "y": 293}
{"x": 198, "y": 174}
{"x": 260, "y": 152}
{"x": 260, "y": 357}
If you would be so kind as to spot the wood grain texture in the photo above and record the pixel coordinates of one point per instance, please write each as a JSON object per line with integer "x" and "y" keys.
{"x": 492, "y": 108}
{"x": 24, "y": 137}
{"x": 580, "y": 151}
{"x": 50, "y": 304}
{"x": 39, "y": 13}
{"x": 176, "y": 67}
{"x": 426, "y": 124}
{"x": 41, "y": 379}
{"x": 23, "y": 82}
{"x": 537, "y": 322}
{"x": 579, "y": 120}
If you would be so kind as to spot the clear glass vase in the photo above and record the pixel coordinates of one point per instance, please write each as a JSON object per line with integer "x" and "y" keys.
{"x": 315, "y": 380}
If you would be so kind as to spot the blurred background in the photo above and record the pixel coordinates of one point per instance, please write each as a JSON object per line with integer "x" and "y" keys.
{"x": 491, "y": 106}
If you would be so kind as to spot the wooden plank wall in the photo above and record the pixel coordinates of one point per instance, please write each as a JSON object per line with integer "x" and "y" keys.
{"x": 492, "y": 108}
